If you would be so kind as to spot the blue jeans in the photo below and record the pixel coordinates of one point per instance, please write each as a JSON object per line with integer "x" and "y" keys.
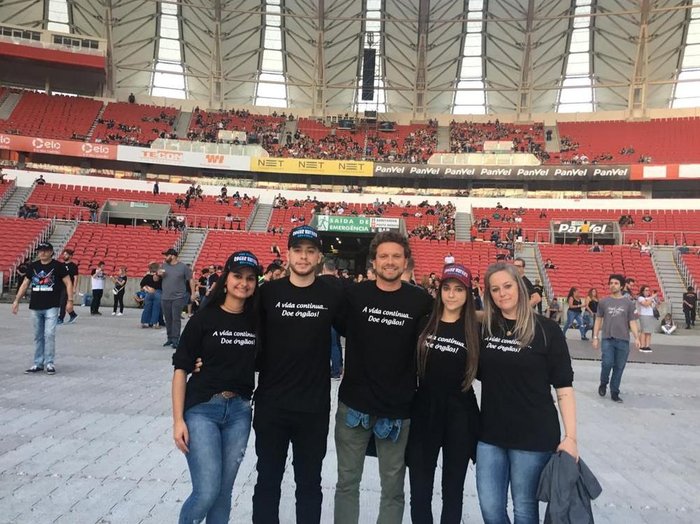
{"x": 151, "y": 309}
{"x": 336, "y": 354}
{"x": 496, "y": 469}
{"x": 44, "y": 321}
{"x": 219, "y": 431}
{"x": 580, "y": 322}
{"x": 614, "y": 357}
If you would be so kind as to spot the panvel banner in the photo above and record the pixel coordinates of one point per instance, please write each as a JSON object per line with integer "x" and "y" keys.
{"x": 599, "y": 229}
{"x": 167, "y": 157}
{"x": 353, "y": 224}
{"x": 308, "y": 166}
{"x": 50, "y": 146}
{"x": 503, "y": 172}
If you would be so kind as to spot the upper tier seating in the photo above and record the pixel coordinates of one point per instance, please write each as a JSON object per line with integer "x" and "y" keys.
{"x": 577, "y": 266}
{"x": 52, "y": 116}
{"x": 665, "y": 140}
{"x": 664, "y": 228}
{"x": 219, "y": 245}
{"x": 413, "y": 143}
{"x": 116, "y": 246}
{"x": 205, "y": 126}
{"x": 469, "y": 137}
{"x": 134, "y": 124}
{"x": 56, "y": 201}
{"x": 19, "y": 238}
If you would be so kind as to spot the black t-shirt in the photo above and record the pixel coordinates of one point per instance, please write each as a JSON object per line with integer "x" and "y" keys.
{"x": 517, "y": 408}
{"x": 120, "y": 283}
{"x": 71, "y": 270}
{"x": 226, "y": 343}
{"x": 575, "y": 305}
{"x": 45, "y": 282}
{"x": 593, "y": 306}
{"x": 203, "y": 285}
{"x": 691, "y": 298}
{"x": 530, "y": 287}
{"x": 149, "y": 281}
{"x": 295, "y": 340}
{"x": 381, "y": 330}
{"x": 447, "y": 359}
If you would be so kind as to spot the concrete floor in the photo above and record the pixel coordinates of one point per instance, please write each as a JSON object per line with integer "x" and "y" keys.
{"x": 92, "y": 444}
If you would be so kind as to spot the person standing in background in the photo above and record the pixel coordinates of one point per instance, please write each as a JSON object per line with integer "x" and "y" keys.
{"x": 118, "y": 291}
{"x": 151, "y": 284}
{"x": 72, "y": 270}
{"x": 176, "y": 277}
{"x": 98, "y": 288}
{"x": 690, "y": 302}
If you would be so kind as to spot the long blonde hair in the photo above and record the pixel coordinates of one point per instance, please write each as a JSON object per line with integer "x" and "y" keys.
{"x": 525, "y": 321}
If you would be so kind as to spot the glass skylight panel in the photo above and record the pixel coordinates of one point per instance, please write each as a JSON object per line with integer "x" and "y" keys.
{"x": 687, "y": 90}
{"x": 470, "y": 95}
{"x": 576, "y": 93}
{"x": 58, "y": 16}
{"x": 373, "y": 40}
{"x": 169, "y": 74}
{"x": 271, "y": 89}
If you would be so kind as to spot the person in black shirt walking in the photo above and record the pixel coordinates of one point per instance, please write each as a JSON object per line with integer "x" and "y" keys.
{"x": 523, "y": 355}
{"x": 72, "y": 270}
{"x": 292, "y": 401}
{"x": 445, "y": 414}
{"x": 211, "y": 410}
{"x": 47, "y": 278}
{"x": 381, "y": 326}
{"x": 690, "y": 300}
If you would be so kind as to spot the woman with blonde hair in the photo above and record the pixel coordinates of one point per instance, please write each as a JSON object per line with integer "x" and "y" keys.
{"x": 523, "y": 355}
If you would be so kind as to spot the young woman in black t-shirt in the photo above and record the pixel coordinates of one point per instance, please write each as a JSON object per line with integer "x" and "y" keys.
{"x": 212, "y": 411}
{"x": 445, "y": 414}
{"x": 523, "y": 355}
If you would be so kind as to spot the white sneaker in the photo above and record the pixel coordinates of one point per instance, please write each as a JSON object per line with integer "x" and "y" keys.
{"x": 114, "y": 313}
{"x": 120, "y": 314}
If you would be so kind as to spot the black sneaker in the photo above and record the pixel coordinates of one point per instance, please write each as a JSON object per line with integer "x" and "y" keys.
{"x": 602, "y": 389}
{"x": 50, "y": 369}
{"x": 59, "y": 321}
{"x": 645, "y": 350}
{"x": 72, "y": 318}
{"x": 34, "y": 369}
{"x": 615, "y": 397}
{"x": 168, "y": 343}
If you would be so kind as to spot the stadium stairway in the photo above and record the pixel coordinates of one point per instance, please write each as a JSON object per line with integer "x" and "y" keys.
{"x": 530, "y": 254}
{"x": 553, "y": 145}
{"x": 672, "y": 283}
{"x": 8, "y": 105}
{"x": 463, "y": 226}
{"x": 190, "y": 248}
{"x": 260, "y": 218}
{"x": 443, "y": 138}
{"x": 17, "y": 198}
{"x": 62, "y": 232}
{"x": 183, "y": 124}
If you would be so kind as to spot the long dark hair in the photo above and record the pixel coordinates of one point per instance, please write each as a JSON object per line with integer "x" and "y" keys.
{"x": 471, "y": 336}
{"x": 218, "y": 294}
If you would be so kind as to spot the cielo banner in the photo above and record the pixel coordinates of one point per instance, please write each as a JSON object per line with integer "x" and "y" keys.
{"x": 503, "y": 172}
{"x": 353, "y": 224}
{"x": 168, "y": 157}
{"x": 598, "y": 229}
{"x": 309, "y": 166}
{"x": 50, "y": 146}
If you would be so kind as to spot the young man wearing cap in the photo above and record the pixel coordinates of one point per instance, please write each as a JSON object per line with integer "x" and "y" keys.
{"x": 45, "y": 276}
{"x": 176, "y": 277}
{"x": 72, "y": 270}
{"x": 381, "y": 324}
{"x": 292, "y": 401}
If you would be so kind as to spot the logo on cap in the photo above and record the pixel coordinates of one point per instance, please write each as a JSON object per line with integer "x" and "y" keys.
{"x": 300, "y": 233}
{"x": 459, "y": 272}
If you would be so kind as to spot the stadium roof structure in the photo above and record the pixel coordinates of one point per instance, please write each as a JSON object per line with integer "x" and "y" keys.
{"x": 433, "y": 56}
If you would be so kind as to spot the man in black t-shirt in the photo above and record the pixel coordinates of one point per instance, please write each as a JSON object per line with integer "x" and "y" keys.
{"x": 72, "y": 270}
{"x": 47, "y": 278}
{"x": 690, "y": 302}
{"x": 292, "y": 401}
{"x": 380, "y": 322}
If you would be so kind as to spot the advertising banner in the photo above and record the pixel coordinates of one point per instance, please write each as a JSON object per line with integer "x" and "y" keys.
{"x": 504, "y": 172}
{"x": 599, "y": 229}
{"x": 51, "y": 146}
{"x": 308, "y": 166}
{"x": 169, "y": 157}
{"x": 352, "y": 224}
